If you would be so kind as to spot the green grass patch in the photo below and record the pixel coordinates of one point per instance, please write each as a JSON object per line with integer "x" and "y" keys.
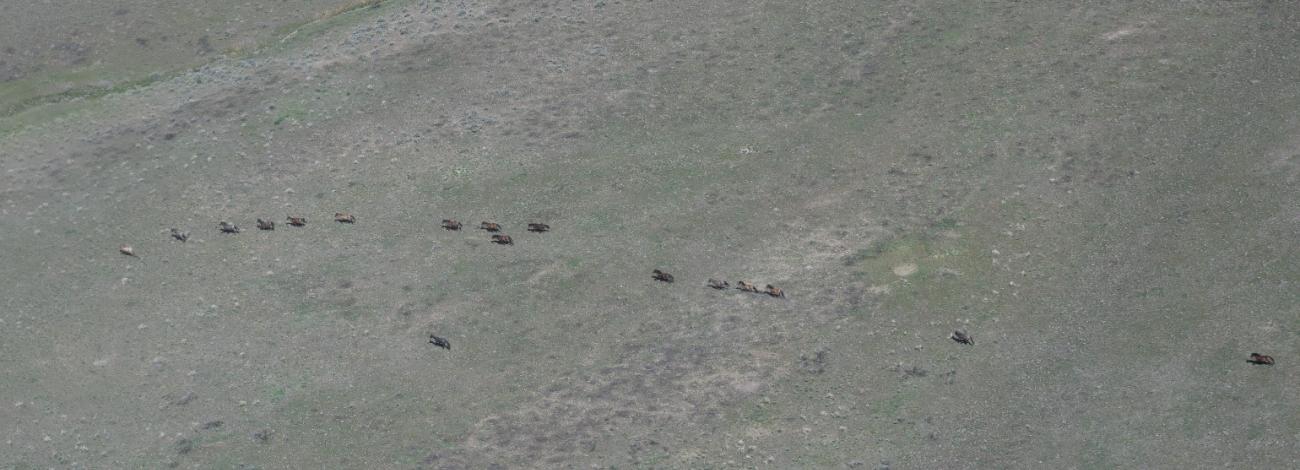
{"x": 891, "y": 406}
{"x": 22, "y": 97}
{"x": 1094, "y": 455}
{"x": 17, "y": 98}
{"x": 653, "y": 461}
{"x": 294, "y": 114}
{"x": 937, "y": 268}
{"x": 757, "y": 413}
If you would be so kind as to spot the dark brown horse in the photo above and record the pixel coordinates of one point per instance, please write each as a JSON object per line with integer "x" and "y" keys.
{"x": 297, "y": 221}
{"x": 963, "y": 338}
{"x": 450, "y": 224}
{"x": 716, "y": 284}
{"x": 1260, "y": 359}
{"x": 440, "y": 342}
{"x": 502, "y": 240}
{"x": 662, "y": 276}
{"x": 539, "y": 228}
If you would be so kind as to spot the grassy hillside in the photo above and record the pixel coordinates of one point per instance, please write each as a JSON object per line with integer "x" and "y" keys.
{"x": 1103, "y": 195}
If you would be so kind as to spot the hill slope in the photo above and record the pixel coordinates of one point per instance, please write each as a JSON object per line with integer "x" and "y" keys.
{"x": 1104, "y": 196}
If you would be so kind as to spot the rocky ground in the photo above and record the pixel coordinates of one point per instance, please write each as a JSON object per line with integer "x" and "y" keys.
{"x": 1103, "y": 195}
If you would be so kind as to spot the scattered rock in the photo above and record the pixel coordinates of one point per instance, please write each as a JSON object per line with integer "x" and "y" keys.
{"x": 910, "y": 372}
{"x": 815, "y": 364}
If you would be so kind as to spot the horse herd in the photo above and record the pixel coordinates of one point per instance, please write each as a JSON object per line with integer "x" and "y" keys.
{"x": 494, "y": 228}
{"x": 502, "y": 239}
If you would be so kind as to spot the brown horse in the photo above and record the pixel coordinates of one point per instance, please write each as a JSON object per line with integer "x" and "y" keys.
{"x": 502, "y": 240}
{"x": 746, "y": 286}
{"x": 345, "y": 217}
{"x": 539, "y": 228}
{"x": 716, "y": 284}
{"x": 662, "y": 276}
{"x": 1260, "y": 359}
{"x": 775, "y": 291}
{"x": 297, "y": 221}
{"x": 490, "y": 226}
{"x": 450, "y": 224}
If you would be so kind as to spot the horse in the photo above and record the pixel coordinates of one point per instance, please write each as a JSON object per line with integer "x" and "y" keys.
{"x": 662, "y": 276}
{"x": 1260, "y": 359}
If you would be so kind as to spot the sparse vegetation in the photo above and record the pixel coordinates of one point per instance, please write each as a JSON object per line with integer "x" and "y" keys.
{"x": 1050, "y": 179}
{"x": 348, "y": 6}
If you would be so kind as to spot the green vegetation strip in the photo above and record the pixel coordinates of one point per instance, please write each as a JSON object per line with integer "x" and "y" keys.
{"x": 11, "y": 104}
